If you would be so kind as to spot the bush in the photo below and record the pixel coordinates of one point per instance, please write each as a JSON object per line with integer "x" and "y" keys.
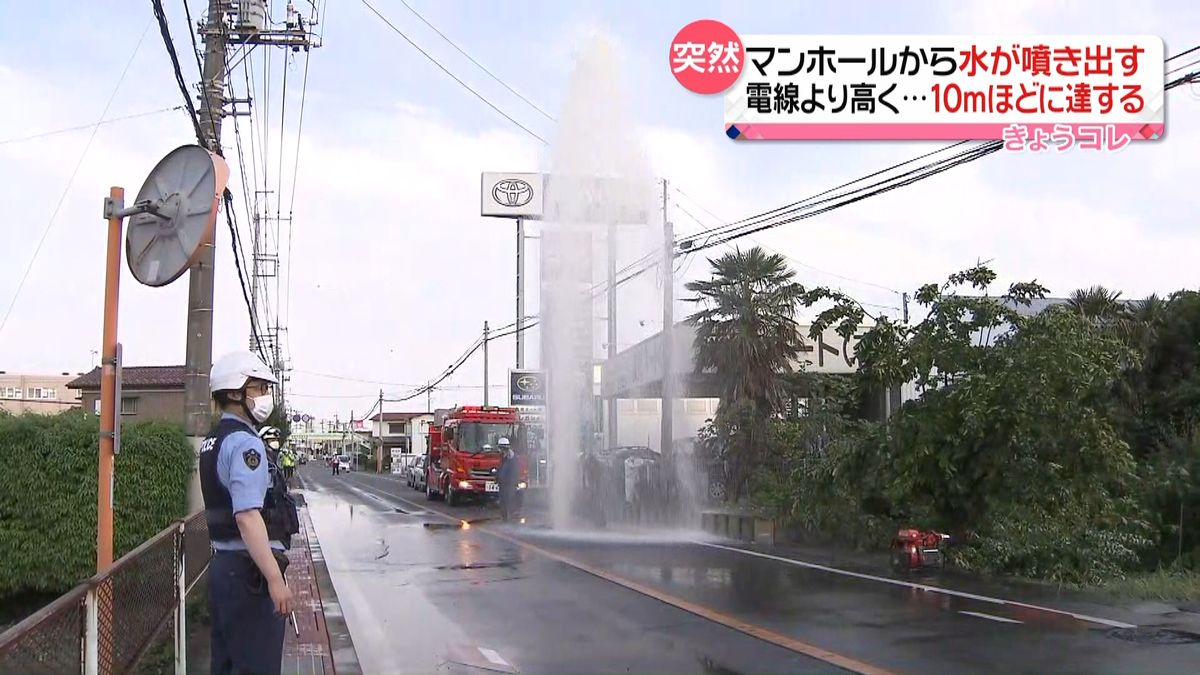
{"x": 48, "y": 494}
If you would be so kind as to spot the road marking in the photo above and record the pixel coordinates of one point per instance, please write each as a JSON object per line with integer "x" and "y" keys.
{"x": 753, "y": 630}
{"x": 989, "y": 616}
{"x": 493, "y": 656}
{"x": 920, "y": 587}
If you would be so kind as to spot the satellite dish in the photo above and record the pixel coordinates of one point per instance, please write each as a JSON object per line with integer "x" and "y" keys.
{"x": 179, "y": 201}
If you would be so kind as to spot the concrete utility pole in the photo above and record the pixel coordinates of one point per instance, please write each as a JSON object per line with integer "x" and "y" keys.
{"x": 379, "y": 457}
{"x": 197, "y": 408}
{"x": 217, "y": 34}
{"x": 485, "y": 363}
{"x": 668, "y": 330}
{"x": 611, "y": 427}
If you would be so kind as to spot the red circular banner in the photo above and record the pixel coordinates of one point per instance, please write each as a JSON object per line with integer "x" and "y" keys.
{"x": 706, "y": 57}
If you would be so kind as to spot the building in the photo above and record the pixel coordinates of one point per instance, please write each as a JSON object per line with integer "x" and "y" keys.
{"x": 147, "y": 392}
{"x": 400, "y": 434}
{"x": 42, "y": 394}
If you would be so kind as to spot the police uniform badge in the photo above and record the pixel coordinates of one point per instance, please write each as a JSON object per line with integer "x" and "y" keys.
{"x": 251, "y": 458}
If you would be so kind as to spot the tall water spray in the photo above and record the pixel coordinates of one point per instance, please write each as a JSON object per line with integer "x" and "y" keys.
{"x": 599, "y": 183}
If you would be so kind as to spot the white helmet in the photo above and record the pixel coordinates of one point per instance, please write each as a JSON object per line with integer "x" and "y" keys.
{"x": 233, "y": 370}
{"x": 503, "y": 442}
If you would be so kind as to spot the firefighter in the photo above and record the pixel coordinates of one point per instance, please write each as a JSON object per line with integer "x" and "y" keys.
{"x": 251, "y": 518}
{"x": 508, "y": 475}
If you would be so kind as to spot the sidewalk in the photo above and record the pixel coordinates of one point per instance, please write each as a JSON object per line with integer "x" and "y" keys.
{"x": 307, "y": 646}
{"x": 319, "y": 642}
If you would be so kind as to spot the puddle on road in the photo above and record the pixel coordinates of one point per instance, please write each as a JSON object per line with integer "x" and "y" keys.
{"x": 1148, "y": 635}
{"x": 506, "y": 564}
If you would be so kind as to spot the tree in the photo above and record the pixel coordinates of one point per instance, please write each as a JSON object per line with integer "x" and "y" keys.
{"x": 746, "y": 332}
{"x": 1012, "y": 430}
{"x": 1097, "y": 303}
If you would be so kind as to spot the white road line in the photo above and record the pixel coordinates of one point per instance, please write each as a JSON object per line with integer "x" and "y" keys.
{"x": 989, "y": 616}
{"x": 920, "y": 587}
{"x": 493, "y": 656}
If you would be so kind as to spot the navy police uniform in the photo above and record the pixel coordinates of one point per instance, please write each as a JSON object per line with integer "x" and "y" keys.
{"x": 237, "y": 475}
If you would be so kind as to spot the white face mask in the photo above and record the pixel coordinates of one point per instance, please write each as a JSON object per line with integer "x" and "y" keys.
{"x": 261, "y": 407}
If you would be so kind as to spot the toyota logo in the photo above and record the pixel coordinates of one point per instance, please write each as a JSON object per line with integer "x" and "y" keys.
{"x": 512, "y": 192}
{"x": 528, "y": 383}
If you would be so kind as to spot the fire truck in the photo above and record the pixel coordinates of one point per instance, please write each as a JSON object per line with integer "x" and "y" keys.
{"x": 464, "y": 453}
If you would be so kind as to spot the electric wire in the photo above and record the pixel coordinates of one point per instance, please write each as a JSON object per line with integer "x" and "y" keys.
{"x": 85, "y": 127}
{"x": 445, "y": 70}
{"x": 479, "y": 65}
{"x": 169, "y": 43}
{"x": 71, "y": 180}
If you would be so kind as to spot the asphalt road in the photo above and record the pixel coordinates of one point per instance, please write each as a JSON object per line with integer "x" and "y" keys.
{"x": 423, "y": 593}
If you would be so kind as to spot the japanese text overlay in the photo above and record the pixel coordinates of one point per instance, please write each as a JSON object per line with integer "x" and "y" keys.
{"x": 1055, "y": 90}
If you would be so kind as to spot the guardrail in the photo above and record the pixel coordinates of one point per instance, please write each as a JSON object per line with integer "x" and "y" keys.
{"x": 746, "y": 527}
{"x": 108, "y": 623}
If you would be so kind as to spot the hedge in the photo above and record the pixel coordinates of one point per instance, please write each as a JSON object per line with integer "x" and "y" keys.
{"x": 48, "y": 494}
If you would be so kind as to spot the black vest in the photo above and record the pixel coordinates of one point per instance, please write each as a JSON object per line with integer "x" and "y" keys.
{"x": 278, "y": 509}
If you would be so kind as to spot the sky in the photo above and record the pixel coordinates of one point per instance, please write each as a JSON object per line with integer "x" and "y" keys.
{"x": 393, "y": 271}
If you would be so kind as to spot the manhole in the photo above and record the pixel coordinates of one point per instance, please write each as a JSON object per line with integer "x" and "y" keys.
{"x": 1155, "y": 636}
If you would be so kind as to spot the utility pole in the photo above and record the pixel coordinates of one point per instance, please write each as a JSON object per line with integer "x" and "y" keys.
{"x": 520, "y": 293}
{"x": 668, "y": 330}
{"x": 217, "y": 34}
{"x": 379, "y": 457}
{"x": 611, "y": 426}
{"x": 197, "y": 405}
{"x": 904, "y": 304}
{"x": 485, "y": 362}
{"x": 429, "y": 398}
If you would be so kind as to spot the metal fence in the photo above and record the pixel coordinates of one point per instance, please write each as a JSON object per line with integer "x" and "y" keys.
{"x": 108, "y": 623}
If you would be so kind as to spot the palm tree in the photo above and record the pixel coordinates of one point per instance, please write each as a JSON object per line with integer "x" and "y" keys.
{"x": 746, "y": 331}
{"x": 1097, "y": 303}
{"x": 746, "y": 328}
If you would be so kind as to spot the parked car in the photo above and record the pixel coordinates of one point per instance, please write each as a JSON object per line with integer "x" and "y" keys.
{"x": 410, "y": 471}
{"x": 418, "y": 472}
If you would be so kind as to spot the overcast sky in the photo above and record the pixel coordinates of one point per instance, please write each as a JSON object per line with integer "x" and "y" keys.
{"x": 394, "y": 270}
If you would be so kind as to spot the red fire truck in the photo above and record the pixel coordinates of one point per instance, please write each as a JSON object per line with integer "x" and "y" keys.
{"x": 464, "y": 453}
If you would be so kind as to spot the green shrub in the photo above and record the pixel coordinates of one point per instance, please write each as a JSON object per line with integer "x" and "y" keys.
{"x": 48, "y": 494}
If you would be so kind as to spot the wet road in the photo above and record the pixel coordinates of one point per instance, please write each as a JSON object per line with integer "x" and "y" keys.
{"x": 421, "y": 594}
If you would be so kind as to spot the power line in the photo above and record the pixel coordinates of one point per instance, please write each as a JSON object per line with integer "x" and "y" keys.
{"x": 478, "y": 64}
{"x": 295, "y": 176}
{"x": 169, "y": 43}
{"x": 234, "y": 241}
{"x": 84, "y": 127}
{"x": 796, "y": 261}
{"x": 464, "y": 85}
{"x": 1182, "y": 54}
{"x": 71, "y": 180}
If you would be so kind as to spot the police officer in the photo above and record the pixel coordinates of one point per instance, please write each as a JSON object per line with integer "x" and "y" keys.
{"x": 272, "y": 439}
{"x": 250, "y": 521}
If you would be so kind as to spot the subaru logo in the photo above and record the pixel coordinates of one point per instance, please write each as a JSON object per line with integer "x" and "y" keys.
{"x": 528, "y": 383}
{"x": 512, "y": 192}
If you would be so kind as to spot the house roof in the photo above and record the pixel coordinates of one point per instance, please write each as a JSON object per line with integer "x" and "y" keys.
{"x": 398, "y": 416}
{"x": 135, "y": 377}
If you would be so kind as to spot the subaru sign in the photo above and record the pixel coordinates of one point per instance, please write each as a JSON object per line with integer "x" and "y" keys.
{"x": 512, "y": 195}
{"x": 527, "y": 388}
